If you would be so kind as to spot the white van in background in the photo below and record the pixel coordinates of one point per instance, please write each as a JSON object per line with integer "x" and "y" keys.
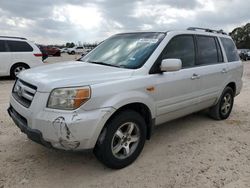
{"x": 17, "y": 54}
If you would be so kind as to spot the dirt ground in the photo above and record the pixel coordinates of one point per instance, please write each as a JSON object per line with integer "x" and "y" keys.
{"x": 194, "y": 151}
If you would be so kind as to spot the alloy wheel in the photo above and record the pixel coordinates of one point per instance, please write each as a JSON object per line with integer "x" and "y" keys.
{"x": 18, "y": 70}
{"x": 125, "y": 140}
{"x": 226, "y": 104}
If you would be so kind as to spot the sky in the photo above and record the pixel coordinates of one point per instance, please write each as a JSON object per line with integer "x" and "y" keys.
{"x": 61, "y": 21}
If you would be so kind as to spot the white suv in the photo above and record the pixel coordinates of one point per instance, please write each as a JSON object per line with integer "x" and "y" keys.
{"x": 112, "y": 99}
{"x": 17, "y": 54}
{"x": 77, "y": 50}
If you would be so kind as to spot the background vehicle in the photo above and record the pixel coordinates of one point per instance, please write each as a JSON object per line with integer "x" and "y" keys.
{"x": 244, "y": 54}
{"x": 64, "y": 50}
{"x": 17, "y": 54}
{"x": 112, "y": 99}
{"x": 52, "y": 51}
{"x": 77, "y": 50}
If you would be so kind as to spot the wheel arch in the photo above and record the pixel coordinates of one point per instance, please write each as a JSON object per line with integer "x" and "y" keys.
{"x": 143, "y": 110}
{"x": 140, "y": 108}
{"x": 15, "y": 64}
{"x": 233, "y": 86}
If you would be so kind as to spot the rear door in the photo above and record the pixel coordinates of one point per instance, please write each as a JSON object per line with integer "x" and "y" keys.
{"x": 212, "y": 68}
{"x": 5, "y": 59}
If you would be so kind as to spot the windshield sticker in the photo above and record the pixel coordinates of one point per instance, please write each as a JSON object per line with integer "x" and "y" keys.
{"x": 153, "y": 41}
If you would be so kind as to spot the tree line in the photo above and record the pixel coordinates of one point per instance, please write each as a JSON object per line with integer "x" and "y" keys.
{"x": 241, "y": 36}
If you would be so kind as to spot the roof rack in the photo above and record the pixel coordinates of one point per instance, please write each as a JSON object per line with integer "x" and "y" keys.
{"x": 207, "y": 30}
{"x": 13, "y": 37}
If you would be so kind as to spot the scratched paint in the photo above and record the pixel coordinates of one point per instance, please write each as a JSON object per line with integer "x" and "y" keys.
{"x": 66, "y": 138}
{"x": 69, "y": 144}
{"x": 75, "y": 117}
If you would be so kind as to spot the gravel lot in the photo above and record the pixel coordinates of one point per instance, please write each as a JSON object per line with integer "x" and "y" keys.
{"x": 194, "y": 151}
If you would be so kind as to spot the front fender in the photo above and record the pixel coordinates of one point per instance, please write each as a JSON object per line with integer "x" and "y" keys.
{"x": 120, "y": 100}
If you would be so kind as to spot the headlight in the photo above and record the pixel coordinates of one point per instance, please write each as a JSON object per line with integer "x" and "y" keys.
{"x": 68, "y": 98}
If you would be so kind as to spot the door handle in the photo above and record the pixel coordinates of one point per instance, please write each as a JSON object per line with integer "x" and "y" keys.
{"x": 195, "y": 76}
{"x": 224, "y": 71}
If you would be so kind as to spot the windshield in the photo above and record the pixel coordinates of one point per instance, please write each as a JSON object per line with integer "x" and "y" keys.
{"x": 125, "y": 50}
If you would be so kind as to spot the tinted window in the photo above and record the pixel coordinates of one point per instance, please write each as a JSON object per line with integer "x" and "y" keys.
{"x": 2, "y": 46}
{"x": 79, "y": 48}
{"x": 181, "y": 47}
{"x": 19, "y": 46}
{"x": 230, "y": 48}
{"x": 207, "y": 50}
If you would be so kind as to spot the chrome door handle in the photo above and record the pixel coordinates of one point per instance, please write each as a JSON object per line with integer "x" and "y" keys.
{"x": 195, "y": 76}
{"x": 224, "y": 71}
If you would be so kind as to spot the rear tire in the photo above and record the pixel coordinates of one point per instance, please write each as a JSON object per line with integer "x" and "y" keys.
{"x": 122, "y": 140}
{"x": 57, "y": 54}
{"x": 224, "y": 106}
{"x": 17, "y": 68}
{"x": 73, "y": 52}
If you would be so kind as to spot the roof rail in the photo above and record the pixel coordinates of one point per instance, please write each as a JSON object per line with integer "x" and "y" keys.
{"x": 13, "y": 37}
{"x": 207, "y": 30}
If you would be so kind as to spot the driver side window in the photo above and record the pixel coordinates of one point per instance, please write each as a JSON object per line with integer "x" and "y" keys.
{"x": 181, "y": 47}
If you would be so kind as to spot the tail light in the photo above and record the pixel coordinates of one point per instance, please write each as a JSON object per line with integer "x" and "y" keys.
{"x": 38, "y": 55}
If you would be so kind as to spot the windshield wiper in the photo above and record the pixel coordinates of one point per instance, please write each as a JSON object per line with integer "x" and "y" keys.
{"x": 101, "y": 63}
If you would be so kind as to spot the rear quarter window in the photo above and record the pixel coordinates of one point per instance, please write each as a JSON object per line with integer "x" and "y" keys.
{"x": 19, "y": 46}
{"x": 230, "y": 49}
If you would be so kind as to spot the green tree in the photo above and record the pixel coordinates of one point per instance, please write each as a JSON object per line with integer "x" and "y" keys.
{"x": 70, "y": 45}
{"x": 241, "y": 36}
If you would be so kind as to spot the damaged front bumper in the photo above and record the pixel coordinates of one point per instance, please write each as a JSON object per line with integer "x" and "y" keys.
{"x": 76, "y": 130}
{"x": 32, "y": 134}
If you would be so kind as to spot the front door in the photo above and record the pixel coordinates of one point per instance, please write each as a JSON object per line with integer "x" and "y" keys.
{"x": 178, "y": 92}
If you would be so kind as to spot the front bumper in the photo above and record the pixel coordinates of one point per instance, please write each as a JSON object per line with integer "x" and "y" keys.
{"x": 76, "y": 130}
{"x": 32, "y": 134}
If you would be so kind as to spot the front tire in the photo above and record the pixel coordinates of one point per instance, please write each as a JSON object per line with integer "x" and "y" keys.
{"x": 224, "y": 106}
{"x": 122, "y": 140}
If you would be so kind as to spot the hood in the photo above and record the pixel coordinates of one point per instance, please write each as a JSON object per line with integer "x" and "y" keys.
{"x": 72, "y": 73}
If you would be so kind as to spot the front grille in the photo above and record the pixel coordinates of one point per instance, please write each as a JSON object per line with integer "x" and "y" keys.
{"x": 24, "y": 92}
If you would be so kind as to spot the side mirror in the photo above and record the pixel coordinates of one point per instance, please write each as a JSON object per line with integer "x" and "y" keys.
{"x": 170, "y": 65}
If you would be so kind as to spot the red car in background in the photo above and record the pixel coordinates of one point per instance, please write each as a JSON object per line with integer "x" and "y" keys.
{"x": 50, "y": 51}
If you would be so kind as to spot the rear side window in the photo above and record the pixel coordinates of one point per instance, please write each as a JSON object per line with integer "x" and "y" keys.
{"x": 2, "y": 46}
{"x": 208, "y": 49}
{"x": 19, "y": 46}
{"x": 181, "y": 47}
{"x": 79, "y": 48}
{"x": 231, "y": 50}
